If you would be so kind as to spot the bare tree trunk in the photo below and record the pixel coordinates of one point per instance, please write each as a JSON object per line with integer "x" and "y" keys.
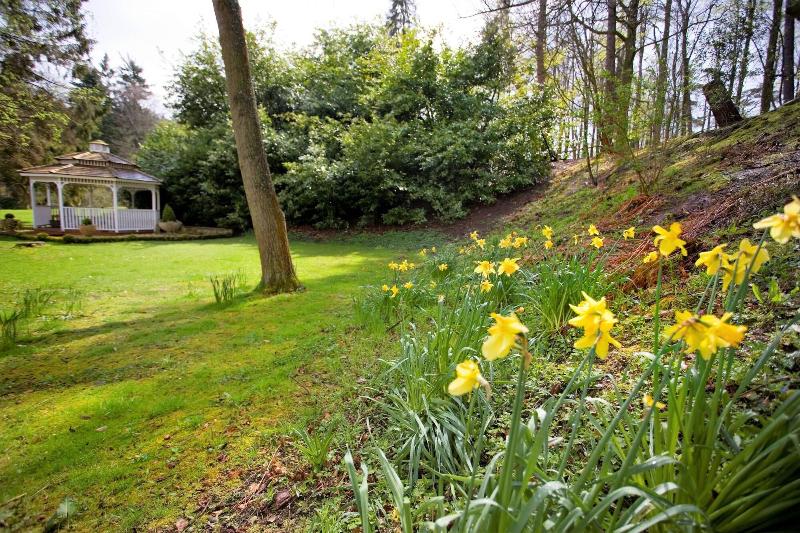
{"x": 661, "y": 78}
{"x": 269, "y": 225}
{"x": 609, "y": 111}
{"x": 541, "y": 41}
{"x": 686, "y": 87}
{"x": 768, "y": 85}
{"x": 788, "y": 56}
{"x": 748, "y": 36}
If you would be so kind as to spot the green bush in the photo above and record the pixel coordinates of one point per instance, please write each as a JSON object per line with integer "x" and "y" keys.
{"x": 168, "y": 215}
{"x": 86, "y": 221}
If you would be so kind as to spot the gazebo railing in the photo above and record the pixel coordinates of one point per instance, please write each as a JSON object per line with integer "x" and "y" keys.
{"x": 103, "y": 218}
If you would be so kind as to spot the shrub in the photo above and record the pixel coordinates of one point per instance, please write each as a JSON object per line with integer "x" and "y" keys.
{"x": 86, "y": 221}
{"x": 168, "y": 215}
{"x": 9, "y": 216}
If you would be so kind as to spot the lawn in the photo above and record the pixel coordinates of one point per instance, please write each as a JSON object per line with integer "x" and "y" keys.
{"x": 23, "y": 215}
{"x": 151, "y": 394}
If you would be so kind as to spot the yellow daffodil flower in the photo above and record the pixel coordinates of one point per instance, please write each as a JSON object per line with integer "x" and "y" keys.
{"x": 593, "y": 230}
{"x": 486, "y": 285}
{"x": 394, "y": 290}
{"x": 783, "y": 226}
{"x": 502, "y": 336}
{"x": 462, "y": 251}
{"x": 647, "y": 400}
{"x": 440, "y": 299}
{"x": 484, "y": 268}
{"x": 474, "y": 235}
{"x": 393, "y": 266}
{"x": 597, "y": 242}
{"x": 468, "y": 378}
{"x": 481, "y": 243}
{"x": 713, "y": 259}
{"x": 705, "y": 334}
{"x": 506, "y": 242}
{"x": 519, "y": 242}
{"x": 520, "y": 310}
{"x": 596, "y": 321}
{"x": 442, "y": 267}
{"x": 385, "y": 288}
{"x": 547, "y": 231}
{"x": 408, "y": 285}
{"x": 629, "y": 233}
{"x": 432, "y": 284}
{"x": 548, "y": 244}
{"x": 423, "y": 252}
{"x": 433, "y": 249}
{"x": 651, "y": 257}
{"x": 508, "y": 266}
{"x": 749, "y": 255}
{"x": 668, "y": 240}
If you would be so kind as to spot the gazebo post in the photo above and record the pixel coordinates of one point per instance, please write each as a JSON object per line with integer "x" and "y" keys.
{"x": 60, "y": 187}
{"x": 154, "y": 207}
{"x": 47, "y": 190}
{"x": 31, "y": 182}
{"x": 114, "y": 195}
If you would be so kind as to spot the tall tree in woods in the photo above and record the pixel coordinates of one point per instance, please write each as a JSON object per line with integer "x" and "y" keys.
{"x": 661, "y": 76}
{"x": 401, "y": 16}
{"x": 770, "y": 62}
{"x": 129, "y": 119}
{"x": 269, "y": 224}
{"x": 787, "y": 89}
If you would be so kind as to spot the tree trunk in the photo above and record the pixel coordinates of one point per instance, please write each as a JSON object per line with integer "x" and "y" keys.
{"x": 748, "y": 36}
{"x": 720, "y": 103}
{"x": 625, "y": 86}
{"x": 541, "y": 41}
{"x": 661, "y": 78}
{"x": 686, "y": 101}
{"x": 269, "y": 224}
{"x": 788, "y": 55}
{"x": 609, "y": 111}
{"x": 768, "y": 85}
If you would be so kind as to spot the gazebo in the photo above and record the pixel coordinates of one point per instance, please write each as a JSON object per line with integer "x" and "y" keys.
{"x": 101, "y": 186}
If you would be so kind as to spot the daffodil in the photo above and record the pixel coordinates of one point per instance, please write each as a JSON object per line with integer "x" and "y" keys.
{"x": 502, "y": 336}
{"x": 395, "y": 291}
{"x": 474, "y": 235}
{"x": 651, "y": 257}
{"x": 593, "y": 230}
{"x": 519, "y": 242}
{"x": 647, "y": 400}
{"x": 669, "y": 240}
{"x": 520, "y": 310}
{"x": 713, "y": 259}
{"x": 506, "y": 242}
{"x": 462, "y": 250}
{"x": 508, "y": 266}
{"x": 432, "y": 284}
{"x": 596, "y": 320}
{"x": 440, "y": 299}
{"x": 408, "y": 285}
{"x": 468, "y": 378}
{"x": 749, "y": 255}
{"x": 423, "y": 252}
{"x": 547, "y": 231}
{"x": 484, "y": 268}
{"x": 705, "y": 334}
{"x": 442, "y": 267}
{"x": 385, "y": 288}
{"x": 393, "y": 266}
{"x": 597, "y": 242}
{"x": 548, "y": 244}
{"x": 629, "y": 233}
{"x": 433, "y": 249}
{"x": 783, "y": 226}
{"x": 486, "y": 285}
{"x": 481, "y": 243}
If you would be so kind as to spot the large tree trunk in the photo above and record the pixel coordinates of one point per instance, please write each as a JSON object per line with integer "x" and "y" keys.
{"x": 719, "y": 100}
{"x": 609, "y": 111}
{"x": 625, "y": 87}
{"x": 541, "y": 41}
{"x": 686, "y": 86}
{"x": 788, "y": 55}
{"x": 768, "y": 85}
{"x": 269, "y": 225}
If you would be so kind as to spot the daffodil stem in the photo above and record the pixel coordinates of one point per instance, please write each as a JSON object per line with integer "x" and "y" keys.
{"x": 657, "y": 313}
{"x": 506, "y": 477}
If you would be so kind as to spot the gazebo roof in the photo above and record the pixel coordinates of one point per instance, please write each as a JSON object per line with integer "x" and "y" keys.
{"x": 97, "y": 162}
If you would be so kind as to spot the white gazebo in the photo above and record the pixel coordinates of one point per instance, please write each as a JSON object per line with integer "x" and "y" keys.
{"x": 66, "y": 192}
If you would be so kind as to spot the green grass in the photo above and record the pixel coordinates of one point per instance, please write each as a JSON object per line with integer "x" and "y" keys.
{"x": 152, "y": 397}
{"x": 23, "y": 215}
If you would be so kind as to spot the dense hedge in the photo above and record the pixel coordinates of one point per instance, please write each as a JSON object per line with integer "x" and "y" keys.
{"x": 361, "y": 128}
